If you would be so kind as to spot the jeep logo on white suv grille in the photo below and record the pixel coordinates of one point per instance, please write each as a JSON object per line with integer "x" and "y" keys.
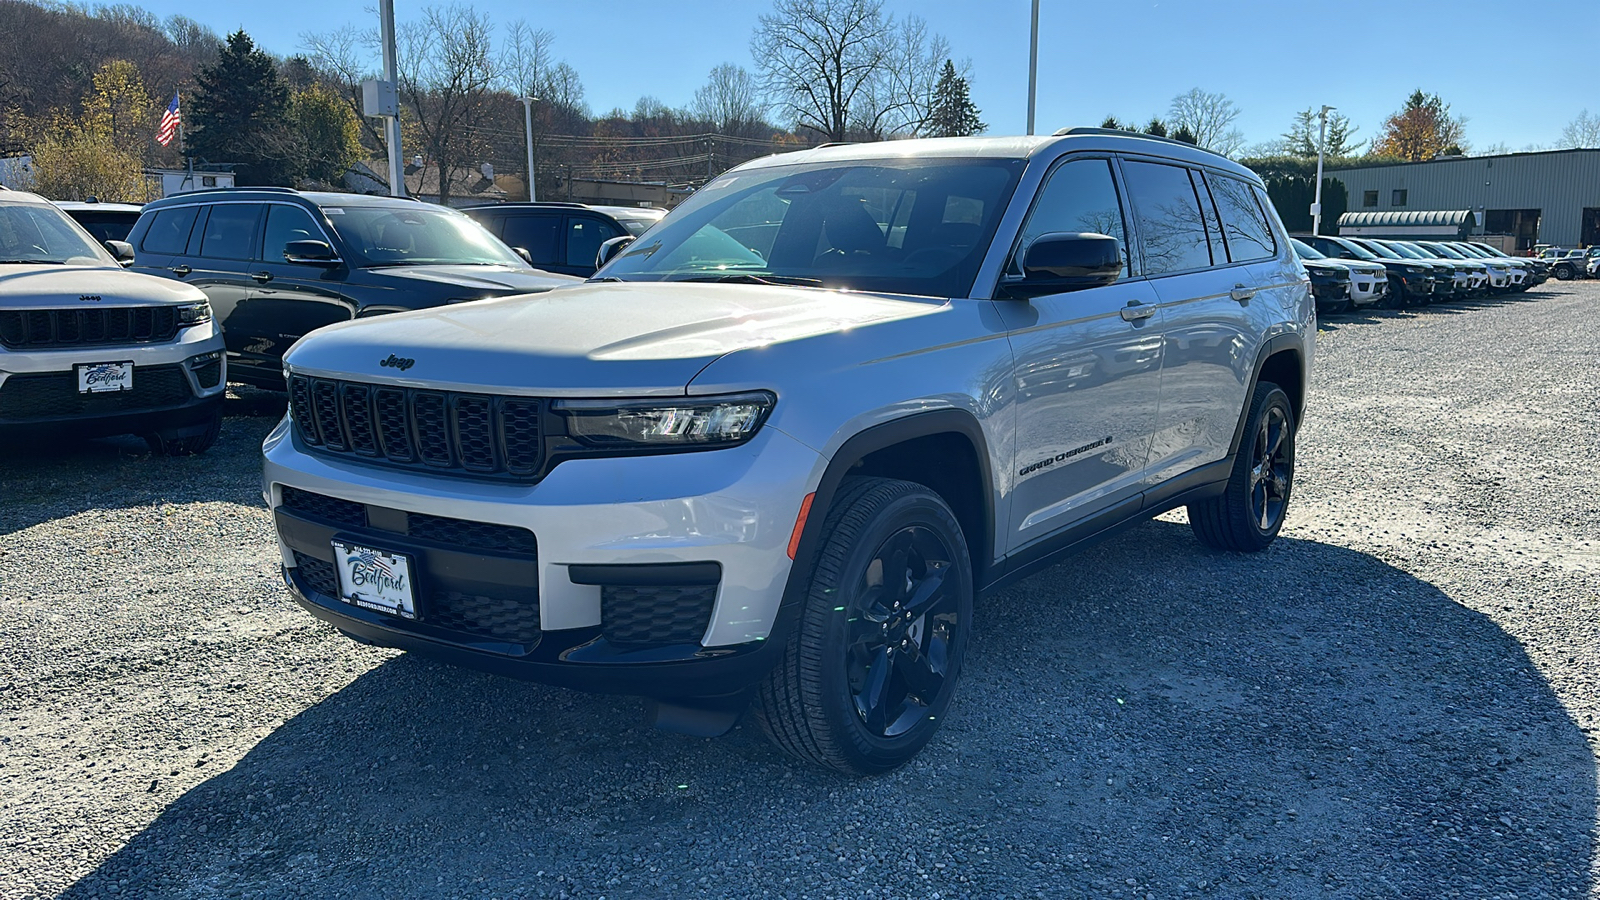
{"x": 398, "y": 362}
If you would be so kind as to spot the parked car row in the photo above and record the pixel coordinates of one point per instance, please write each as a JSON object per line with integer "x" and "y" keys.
{"x": 1566, "y": 264}
{"x": 1414, "y": 272}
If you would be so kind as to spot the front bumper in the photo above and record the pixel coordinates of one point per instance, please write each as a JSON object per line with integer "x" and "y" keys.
{"x": 588, "y": 526}
{"x": 1367, "y": 289}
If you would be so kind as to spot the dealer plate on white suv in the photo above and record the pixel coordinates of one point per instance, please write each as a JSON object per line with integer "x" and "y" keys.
{"x": 93, "y": 378}
{"x": 375, "y": 579}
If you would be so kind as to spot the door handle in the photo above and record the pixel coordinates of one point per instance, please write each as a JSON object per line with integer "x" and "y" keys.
{"x": 261, "y": 277}
{"x": 1242, "y": 293}
{"x": 180, "y": 270}
{"x": 1136, "y": 311}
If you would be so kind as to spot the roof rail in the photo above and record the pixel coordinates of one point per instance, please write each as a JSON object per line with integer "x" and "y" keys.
{"x": 1118, "y": 132}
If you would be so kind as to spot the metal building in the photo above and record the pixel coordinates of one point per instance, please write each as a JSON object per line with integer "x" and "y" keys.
{"x": 1551, "y": 197}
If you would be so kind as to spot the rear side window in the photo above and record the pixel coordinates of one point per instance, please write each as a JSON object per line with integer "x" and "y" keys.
{"x": 284, "y": 224}
{"x": 230, "y": 231}
{"x": 169, "y": 231}
{"x": 1168, "y": 216}
{"x": 537, "y": 235}
{"x": 1243, "y": 222}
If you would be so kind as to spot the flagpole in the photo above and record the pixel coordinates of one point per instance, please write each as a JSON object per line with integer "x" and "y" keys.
{"x": 183, "y": 140}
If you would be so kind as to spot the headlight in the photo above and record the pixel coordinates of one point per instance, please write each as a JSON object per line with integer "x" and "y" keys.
{"x": 687, "y": 422}
{"x": 194, "y": 313}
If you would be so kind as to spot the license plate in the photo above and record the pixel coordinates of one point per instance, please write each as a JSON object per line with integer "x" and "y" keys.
{"x": 375, "y": 579}
{"x": 94, "y": 378}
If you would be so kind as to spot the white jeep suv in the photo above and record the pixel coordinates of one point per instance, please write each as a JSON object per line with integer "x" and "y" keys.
{"x": 89, "y": 349}
{"x": 774, "y": 448}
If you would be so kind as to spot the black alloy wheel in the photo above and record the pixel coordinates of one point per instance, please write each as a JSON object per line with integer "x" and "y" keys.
{"x": 1250, "y": 511}
{"x": 871, "y": 668}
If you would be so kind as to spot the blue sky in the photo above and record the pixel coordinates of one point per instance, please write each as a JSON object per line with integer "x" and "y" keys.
{"x": 1516, "y": 78}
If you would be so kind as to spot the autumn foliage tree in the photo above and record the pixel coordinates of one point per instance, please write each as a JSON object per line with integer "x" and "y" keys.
{"x": 99, "y": 152}
{"x": 1422, "y": 129}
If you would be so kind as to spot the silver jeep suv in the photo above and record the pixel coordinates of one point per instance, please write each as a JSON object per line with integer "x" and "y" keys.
{"x": 774, "y": 448}
{"x": 88, "y": 348}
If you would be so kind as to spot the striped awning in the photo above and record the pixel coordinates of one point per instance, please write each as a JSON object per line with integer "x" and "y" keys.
{"x": 1410, "y": 222}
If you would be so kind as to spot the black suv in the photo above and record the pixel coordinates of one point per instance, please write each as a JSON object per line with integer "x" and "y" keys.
{"x": 277, "y": 264}
{"x": 563, "y": 237}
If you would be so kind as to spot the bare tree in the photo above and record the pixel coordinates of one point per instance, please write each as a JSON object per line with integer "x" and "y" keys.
{"x": 448, "y": 68}
{"x": 346, "y": 55}
{"x": 1584, "y": 131}
{"x": 1209, "y": 118}
{"x": 818, "y": 58}
{"x": 729, "y": 100}
{"x": 901, "y": 97}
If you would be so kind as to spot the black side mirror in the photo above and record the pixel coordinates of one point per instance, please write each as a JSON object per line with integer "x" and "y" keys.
{"x": 121, "y": 251}
{"x": 523, "y": 252}
{"x": 1062, "y": 261}
{"x": 311, "y": 253}
{"x": 610, "y": 249}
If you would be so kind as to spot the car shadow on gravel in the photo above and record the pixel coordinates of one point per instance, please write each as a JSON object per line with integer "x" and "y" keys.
{"x": 53, "y": 479}
{"x": 1147, "y": 719}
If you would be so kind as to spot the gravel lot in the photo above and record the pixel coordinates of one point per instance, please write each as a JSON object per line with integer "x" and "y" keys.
{"x": 1400, "y": 699}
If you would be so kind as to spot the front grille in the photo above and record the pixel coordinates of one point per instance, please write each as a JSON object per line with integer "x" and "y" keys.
{"x": 209, "y": 373}
{"x": 34, "y": 329}
{"x": 447, "y": 432}
{"x": 503, "y": 618}
{"x": 328, "y": 509}
{"x": 675, "y": 614}
{"x": 461, "y": 534}
{"x": 52, "y": 395}
{"x": 316, "y": 574}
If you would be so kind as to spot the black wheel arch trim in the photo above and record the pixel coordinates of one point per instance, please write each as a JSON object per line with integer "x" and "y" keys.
{"x": 859, "y": 447}
{"x": 1287, "y": 341}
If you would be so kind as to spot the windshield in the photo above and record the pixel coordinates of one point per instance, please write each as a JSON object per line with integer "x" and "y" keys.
{"x": 1359, "y": 250}
{"x": 418, "y": 235}
{"x": 901, "y": 226}
{"x": 1305, "y": 250}
{"x": 1395, "y": 250}
{"x": 1442, "y": 250}
{"x": 1473, "y": 250}
{"x": 636, "y": 225}
{"x": 35, "y": 233}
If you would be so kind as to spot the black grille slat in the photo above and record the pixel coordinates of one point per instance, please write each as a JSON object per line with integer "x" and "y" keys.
{"x": 666, "y": 614}
{"x": 52, "y": 395}
{"x": 43, "y": 328}
{"x": 464, "y": 434}
{"x": 358, "y": 418}
{"x": 506, "y": 618}
{"x": 477, "y": 535}
{"x": 316, "y": 574}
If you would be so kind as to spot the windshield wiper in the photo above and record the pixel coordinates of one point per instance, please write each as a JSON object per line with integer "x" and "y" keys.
{"x": 41, "y": 262}
{"x": 747, "y": 278}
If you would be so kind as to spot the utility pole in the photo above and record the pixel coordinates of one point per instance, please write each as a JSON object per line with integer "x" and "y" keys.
{"x": 1322, "y": 143}
{"x": 527, "y": 111}
{"x": 397, "y": 169}
{"x": 1033, "y": 65}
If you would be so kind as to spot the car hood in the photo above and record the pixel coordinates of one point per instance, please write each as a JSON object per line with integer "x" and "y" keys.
{"x": 1327, "y": 267}
{"x": 477, "y": 281}
{"x": 596, "y": 339}
{"x": 42, "y": 286}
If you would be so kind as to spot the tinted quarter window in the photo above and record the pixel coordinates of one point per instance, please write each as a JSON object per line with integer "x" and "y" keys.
{"x": 169, "y": 230}
{"x": 284, "y": 224}
{"x": 1243, "y": 223}
{"x": 1079, "y": 197}
{"x": 537, "y": 235}
{"x": 230, "y": 231}
{"x": 1168, "y": 216}
{"x": 584, "y": 237}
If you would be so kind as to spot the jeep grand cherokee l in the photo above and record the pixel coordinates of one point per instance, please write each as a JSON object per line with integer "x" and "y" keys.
{"x": 777, "y": 445}
{"x": 88, "y": 349}
{"x": 278, "y": 264}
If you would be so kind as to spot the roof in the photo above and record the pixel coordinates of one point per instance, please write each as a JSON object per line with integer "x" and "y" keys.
{"x": 1343, "y": 165}
{"x": 320, "y": 198}
{"x": 16, "y": 196}
{"x": 1014, "y": 147}
{"x": 1452, "y": 218}
{"x": 97, "y": 206}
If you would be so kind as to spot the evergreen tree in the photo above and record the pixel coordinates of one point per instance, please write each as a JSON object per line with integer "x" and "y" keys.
{"x": 240, "y": 115}
{"x": 953, "y": 114}
{"x": 1184, "y": 134}
{"x": 1156, "y": 127}
{"x": 1301, "y": 138}
{"x": 1112, "y": 123}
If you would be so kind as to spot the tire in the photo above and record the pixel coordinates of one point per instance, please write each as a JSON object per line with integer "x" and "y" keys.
{"x": 1563, "y": 273}
{"x": 1248, "y": 514}
{"x": 189, "y": 441}
{"x": 818, "y": 704}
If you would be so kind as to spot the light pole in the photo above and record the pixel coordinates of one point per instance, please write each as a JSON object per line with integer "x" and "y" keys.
{"x": 1033, "y": 65}
{"x": 527, "y": 119}
{"x": 1322, "y": 142}
{"x": 391, "y": 126}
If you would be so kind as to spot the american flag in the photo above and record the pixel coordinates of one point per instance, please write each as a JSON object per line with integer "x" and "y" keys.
{"x": 169, "y": 123}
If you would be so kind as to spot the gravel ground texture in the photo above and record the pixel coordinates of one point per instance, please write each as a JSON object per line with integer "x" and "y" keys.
{"x": 1398, "y": 699}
